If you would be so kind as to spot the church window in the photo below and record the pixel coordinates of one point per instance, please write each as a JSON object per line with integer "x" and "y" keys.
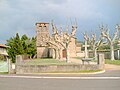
{"x": 40, "y": 27}
{"x": 44, "y": 27}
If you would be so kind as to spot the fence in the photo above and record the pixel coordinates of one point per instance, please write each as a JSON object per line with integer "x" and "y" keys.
{"x": 3, "y": 66}
{"x": 107, "y": 54}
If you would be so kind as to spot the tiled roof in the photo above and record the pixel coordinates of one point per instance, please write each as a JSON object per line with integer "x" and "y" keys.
{"x": 42, "y": 23}
{"x": 4, "y": 46}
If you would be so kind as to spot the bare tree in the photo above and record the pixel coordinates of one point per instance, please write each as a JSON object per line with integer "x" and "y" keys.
{"x": 64, "y": 39}
{"x": 95, "y": 44}
{"x": 118, "y": 29}
{"x": 67, "y": 39}
{"x": 86, "y": 38}
{"x": 105, "y": 33}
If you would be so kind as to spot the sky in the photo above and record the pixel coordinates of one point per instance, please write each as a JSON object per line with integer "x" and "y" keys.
{"x": 20, "y": 16}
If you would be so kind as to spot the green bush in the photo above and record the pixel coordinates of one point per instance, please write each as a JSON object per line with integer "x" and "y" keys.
{"x": 2, "y": 57}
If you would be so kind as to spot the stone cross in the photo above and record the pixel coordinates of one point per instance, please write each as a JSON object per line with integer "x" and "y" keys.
{"x": 86, "y": 51}
{"x": 86, "y": 38}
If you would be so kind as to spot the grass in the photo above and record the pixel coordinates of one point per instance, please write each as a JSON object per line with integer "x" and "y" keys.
{"x": 81, "y": 71}
{"x": 47, "y": 61}
{"x": 77, "y": 58}
{"x": 115, "y": 62}
{"x": 3, "y": 72}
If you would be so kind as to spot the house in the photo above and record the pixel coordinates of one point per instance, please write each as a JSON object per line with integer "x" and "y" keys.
{"x": 3, "y": 50}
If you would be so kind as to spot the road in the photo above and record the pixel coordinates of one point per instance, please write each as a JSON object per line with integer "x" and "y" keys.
{"x": 110, "y": 80}
{"x": 58, "y": 84}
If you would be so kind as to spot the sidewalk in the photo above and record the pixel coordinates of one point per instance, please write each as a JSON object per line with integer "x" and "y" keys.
{"x": 107, "y": 66}
{"x": 112, "y": 67}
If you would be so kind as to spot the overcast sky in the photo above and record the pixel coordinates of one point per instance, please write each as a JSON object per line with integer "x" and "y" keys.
{"x": 21, "y": 15}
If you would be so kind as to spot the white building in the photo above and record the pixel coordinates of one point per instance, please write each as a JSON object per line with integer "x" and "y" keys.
{"x": 3, "y": 50}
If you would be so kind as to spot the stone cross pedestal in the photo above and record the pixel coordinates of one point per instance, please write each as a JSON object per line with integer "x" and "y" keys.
{"x": 101, "y": 61}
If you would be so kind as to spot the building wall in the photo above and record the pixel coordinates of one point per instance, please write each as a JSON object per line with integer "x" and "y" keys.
{"x": 42, "y": 52}
{"x": 42, "y": 30}
{"x": 3, "y": 51}
{"x": 81, "y": 54}
{"x": 72, "y": 48}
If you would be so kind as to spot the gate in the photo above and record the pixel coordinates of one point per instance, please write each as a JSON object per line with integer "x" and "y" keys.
{"x": 3, "y": 66}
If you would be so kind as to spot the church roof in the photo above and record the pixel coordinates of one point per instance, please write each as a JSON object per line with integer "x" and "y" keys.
{"x": 42, "y": 23}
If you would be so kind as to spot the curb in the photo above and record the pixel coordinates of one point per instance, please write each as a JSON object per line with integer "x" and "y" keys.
{"x": 99, "y": 72}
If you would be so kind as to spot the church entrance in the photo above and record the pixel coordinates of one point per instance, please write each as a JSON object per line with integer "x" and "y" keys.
{"x": 64, "y": 53}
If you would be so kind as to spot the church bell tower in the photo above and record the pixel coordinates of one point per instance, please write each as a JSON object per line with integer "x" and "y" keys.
{"x": 42, "y": 30}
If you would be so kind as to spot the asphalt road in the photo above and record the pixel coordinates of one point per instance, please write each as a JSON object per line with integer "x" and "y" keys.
{"x": 58, "y": 84}
{"x": 99, "y": 83}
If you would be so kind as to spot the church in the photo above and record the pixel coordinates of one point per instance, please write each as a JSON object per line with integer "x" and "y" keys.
{"x": 56, "y": 45}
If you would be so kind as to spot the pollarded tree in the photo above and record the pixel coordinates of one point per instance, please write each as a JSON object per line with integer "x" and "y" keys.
{"x": 86, "y": 39}
{"x": 95, "y": 44}
{"x": 118, "y": 28}
{"x": 105, "y": 33}
{"x": 63, "y": 40}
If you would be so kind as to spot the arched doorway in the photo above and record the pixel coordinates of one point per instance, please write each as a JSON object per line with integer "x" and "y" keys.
{"x": 64, "y": 53}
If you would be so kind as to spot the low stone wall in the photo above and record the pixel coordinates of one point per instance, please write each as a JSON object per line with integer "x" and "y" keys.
{"x": 107, "y": 53}
{"x": 24, "y": 69}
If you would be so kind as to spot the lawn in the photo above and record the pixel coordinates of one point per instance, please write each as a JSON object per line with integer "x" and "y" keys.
{"x": 115, "y": 62}
{"x": 79, "y": 71}
{"x": 77, "y": 58}
{"x": 47, "y": 61}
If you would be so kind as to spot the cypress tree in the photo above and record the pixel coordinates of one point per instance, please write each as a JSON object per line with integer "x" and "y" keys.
{"x": 18, "y": 45}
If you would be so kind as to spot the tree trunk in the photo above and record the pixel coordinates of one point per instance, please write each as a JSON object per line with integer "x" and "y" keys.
{"x": 95, "y": 53}
{"x": 30, "y": 57}
{"x": 86, "y": 52}
{"x": 61, "y": 54}
{"x": 112, "y": 51}
{"x": 67, "y": 53}
{"x": 56, "y": 54}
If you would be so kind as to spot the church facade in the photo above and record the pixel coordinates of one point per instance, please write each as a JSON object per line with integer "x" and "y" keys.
{"x": 54, "y": 45}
